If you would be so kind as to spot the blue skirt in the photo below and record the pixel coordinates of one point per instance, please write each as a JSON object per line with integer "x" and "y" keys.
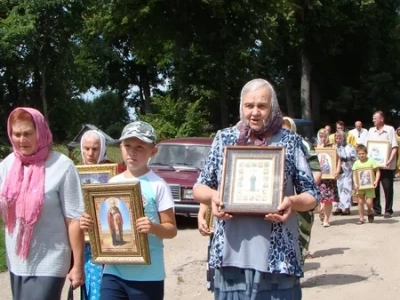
{"x": 246, "y": 284}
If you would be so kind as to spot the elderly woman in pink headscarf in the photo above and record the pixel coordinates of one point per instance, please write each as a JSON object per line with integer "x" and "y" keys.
{"x": 40, "y": 202}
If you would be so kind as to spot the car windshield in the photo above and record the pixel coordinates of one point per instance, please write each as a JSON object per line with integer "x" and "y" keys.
{"x": 191, "y": 156}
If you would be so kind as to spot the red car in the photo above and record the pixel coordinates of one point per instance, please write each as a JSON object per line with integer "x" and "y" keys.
{"x": 179, "y": 161}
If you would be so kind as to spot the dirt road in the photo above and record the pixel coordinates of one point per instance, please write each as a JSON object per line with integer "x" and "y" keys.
{"x": 352, "y": 261}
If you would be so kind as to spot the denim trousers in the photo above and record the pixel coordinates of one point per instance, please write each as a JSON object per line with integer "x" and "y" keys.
{"x": 115, "y": 288}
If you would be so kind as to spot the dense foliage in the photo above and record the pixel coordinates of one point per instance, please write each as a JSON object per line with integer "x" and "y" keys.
{"x": 181, "y": 64}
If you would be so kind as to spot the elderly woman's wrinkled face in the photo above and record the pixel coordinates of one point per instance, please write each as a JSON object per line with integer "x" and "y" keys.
{"x": 23, "y": 135}
{"x": 339, "y": 139}
{"x": 256, "y": 108}
{"x": 91, "y": 150}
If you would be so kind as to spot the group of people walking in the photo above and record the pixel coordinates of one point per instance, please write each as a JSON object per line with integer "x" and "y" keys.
{"x": 352, "y": 155}
{"x": 41, "y": 203}
{"x": 249, "y": 256}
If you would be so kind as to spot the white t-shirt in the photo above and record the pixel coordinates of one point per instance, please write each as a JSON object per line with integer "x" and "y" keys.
{"x": 157, "y": 197}
{"x": 361, "y": 136}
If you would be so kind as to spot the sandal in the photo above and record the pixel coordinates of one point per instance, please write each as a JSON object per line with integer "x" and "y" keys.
{"x": 371, "y": 218}
{"x": 321, "y": 215}
{"x": 309, "y": 255}
{"x": 337, "y": 212}
{"x": 360, "y": 222}
{"x": 346, "y": 212}
{"x": 327, "y": 225}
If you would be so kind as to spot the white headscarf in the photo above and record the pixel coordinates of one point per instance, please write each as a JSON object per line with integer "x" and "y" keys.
{"x": 293, "y": 126}
{"x": 101, "y": 138}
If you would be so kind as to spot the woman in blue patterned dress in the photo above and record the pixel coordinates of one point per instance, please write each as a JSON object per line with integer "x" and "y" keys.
{"x": 258, "y": 257}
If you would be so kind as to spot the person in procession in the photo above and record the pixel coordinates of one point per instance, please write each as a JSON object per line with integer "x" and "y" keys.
{"x": 93, "y": 151}
{"x": 240, "y": 241}
{"x": 365, "y": 195}
{"x": 327, "y": 187}
{"x": 347, "y": 155}
{"x": 306, "y": 218}
{"x": 205, "y": 230}
{"x": 359, "y": 133}
{"x": 138, "y": 145}
{"x": 350, "y": 139}
{"x": 386, "y": 133}
{"x": 40, "y": 202}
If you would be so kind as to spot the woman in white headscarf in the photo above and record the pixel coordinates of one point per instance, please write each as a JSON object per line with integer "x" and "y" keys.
{"x": 93, "y": 151}
{"x": 348, "y": 156}
{"x": 93, "y": 148}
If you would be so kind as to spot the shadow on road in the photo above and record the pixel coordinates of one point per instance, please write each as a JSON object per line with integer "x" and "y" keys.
{"x": 332, "y": 279}
{"x": 329, "y": 252}
{"x": 310, "y": 266}
{"x": 349, "y": 220}
{"x": 385, "y": 221}
{"x": 183, "y": 222}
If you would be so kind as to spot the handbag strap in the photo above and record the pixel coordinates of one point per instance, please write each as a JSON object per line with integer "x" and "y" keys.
{"x": 71, "y": 292}
{"x": 84, "y": 295}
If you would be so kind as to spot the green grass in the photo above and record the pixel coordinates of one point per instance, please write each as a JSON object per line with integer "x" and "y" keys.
{"x": 3, "y": 264}
{"x": 113, "y": 153}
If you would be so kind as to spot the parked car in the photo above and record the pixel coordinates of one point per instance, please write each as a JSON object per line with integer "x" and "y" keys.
{"x": 179, "y": 161}
{"x": 306, "y": 130}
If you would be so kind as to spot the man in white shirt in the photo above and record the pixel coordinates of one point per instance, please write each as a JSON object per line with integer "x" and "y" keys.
{"x": 360, "y": 133}
{"x": 383, "y": 132}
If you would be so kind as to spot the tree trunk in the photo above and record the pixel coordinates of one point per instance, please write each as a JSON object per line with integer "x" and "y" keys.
{"x": 315, "y": 101}
{"x": 43, "y": 93}
{"x": 305, "y": 87}
{"x": 181, "y": 46}
{"x": 146, "y": 90}
{"x": 288, "y": 92}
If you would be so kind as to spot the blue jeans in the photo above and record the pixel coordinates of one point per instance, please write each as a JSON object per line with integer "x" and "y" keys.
{"x": 115, "y": 288}
{"x": 247, "y": 284}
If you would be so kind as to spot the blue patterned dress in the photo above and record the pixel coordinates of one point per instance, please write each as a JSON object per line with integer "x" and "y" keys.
{"x": 284, "y": 254}
{"x": 93, "y": 273}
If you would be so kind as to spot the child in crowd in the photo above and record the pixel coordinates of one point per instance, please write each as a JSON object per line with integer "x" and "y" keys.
{"x": 328, "y": 187}
{"x": 141, "y": 281}
{"x": 367, "y": 195}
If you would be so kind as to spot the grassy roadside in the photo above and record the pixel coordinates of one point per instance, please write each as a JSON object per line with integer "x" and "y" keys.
{"x": 3, "y": 265}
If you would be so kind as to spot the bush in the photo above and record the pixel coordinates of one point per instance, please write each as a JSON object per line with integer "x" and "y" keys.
{"x": 177, "y": 118}
{"x": 4, "y": 150}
